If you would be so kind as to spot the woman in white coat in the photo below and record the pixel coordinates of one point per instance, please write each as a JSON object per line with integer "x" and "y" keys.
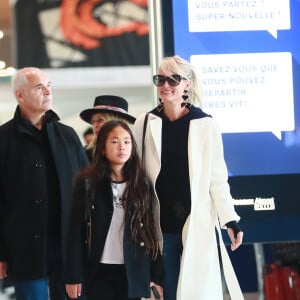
{"x": 183, "y": 154}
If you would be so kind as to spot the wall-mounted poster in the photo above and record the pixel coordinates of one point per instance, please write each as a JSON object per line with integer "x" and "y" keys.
{"x": 247, "y": 56}
{"x": 81, "y": 33}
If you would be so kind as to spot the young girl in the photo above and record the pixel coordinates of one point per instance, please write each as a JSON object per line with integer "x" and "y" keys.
{"x": 124, "y": 258}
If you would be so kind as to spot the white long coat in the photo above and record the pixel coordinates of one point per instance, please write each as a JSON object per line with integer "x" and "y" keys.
{"x": 200, "y": 277}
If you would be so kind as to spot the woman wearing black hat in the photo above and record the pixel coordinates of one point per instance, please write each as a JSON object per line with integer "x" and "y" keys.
{"x": 106, "y": 108}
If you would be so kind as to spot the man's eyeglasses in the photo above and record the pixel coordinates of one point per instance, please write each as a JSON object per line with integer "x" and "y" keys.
{"x": 172, "y": 80}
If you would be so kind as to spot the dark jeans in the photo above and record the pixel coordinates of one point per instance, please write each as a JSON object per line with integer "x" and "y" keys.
{"x": 172, "y": 251}
{"x": 109, "y": 283}
{"x": 32, "y": 289}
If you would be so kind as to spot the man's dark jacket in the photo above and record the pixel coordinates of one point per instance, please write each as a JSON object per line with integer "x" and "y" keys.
{"x": 23, "y": 213}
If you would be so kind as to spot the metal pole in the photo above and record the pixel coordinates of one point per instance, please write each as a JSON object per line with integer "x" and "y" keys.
{"x": 260, "y": 262}
{"x": 156, "y": 38}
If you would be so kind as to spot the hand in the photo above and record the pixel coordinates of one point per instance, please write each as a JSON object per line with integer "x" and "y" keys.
{"x": 158, "y": 288}
{"x": 81, "y": 29}
{"x": 73, "y": 290}
{"x": 77, "y": 31}
{"x": 235, "y": 242}
{"x": 3, "y": 269}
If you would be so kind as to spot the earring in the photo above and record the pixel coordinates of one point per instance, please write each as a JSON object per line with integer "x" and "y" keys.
{"x": 185, "y": 102}
{"x": 160, "y": 106}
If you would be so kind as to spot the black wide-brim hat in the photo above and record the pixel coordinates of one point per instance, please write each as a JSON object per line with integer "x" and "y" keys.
{"x": 108, "y": 104}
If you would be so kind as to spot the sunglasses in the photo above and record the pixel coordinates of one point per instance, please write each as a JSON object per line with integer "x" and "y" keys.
{"x": 172, "y": 80}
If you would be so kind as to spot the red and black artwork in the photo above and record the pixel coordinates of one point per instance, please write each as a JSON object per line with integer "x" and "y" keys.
{"x": 81, "y": 33}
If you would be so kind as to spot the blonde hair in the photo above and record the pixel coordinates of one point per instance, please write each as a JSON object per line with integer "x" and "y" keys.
{"x": 107, "y": 117}
{"x": 176, "y": 65}
{"x": 112, "y": 116}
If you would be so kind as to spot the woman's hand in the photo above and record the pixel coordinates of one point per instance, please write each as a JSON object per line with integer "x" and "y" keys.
{"x": 73, "y": 290}
{"x": 235, "y": 241}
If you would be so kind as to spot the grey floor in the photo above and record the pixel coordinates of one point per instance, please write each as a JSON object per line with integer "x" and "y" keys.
{"x": 7, "y": 294}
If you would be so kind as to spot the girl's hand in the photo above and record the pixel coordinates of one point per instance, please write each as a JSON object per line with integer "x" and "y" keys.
{"x": 73, "y": 290}
{"x": 159, "y": 290}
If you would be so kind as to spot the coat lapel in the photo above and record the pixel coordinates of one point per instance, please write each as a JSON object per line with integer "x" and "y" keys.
{"x": 153, "y": 149}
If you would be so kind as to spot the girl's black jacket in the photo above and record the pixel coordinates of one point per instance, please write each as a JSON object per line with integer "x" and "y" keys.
{"x": 140, "y": 267}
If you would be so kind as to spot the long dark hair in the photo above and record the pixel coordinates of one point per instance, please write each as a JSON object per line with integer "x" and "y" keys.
{"x": 138, "y": 194}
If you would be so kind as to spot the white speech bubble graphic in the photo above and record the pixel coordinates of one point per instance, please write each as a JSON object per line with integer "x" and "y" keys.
{"x": 242, "y": 15}
{"x": 250, "y": 92}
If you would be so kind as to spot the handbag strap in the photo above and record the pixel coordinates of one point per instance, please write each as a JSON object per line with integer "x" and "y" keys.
{"x": 87, "y": 201}
{"x": 88, "y": 214}
{"x": 143, "y": 138}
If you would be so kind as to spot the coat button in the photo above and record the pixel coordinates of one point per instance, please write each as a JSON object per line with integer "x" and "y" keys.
{"x": 37, "y": 201}
{"x": 37, "y": 236}
{"x": 142, "y": 244}
{"x": 37, "y": 165}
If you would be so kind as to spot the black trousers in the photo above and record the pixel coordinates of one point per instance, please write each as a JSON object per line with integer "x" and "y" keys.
{"x": 109, "y": 283}
{"x": 56, "y": 283}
